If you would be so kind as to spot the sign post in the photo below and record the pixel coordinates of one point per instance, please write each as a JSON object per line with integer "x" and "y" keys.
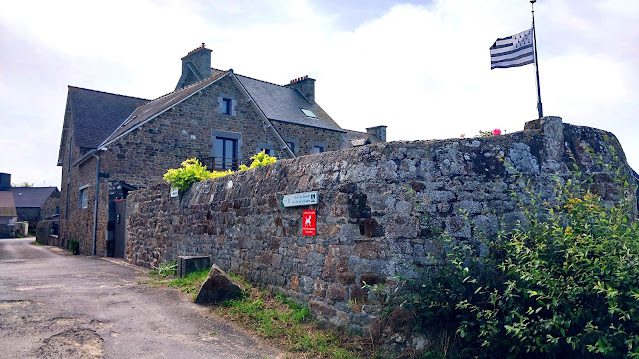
{"x": 309, "y": 222}
{"x": 300, "y": 199}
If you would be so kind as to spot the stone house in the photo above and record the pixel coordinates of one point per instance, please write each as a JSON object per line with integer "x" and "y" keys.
{"x": 34, "y": 204}
{"x": 118, "y": 143}
{"x": 8, "y": 215}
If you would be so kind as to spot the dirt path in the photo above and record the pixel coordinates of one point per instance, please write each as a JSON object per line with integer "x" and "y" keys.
{"x": 54, "y": 305}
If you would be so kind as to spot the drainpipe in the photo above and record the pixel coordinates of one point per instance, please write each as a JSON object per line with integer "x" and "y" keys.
{"x": 97, "y": 199}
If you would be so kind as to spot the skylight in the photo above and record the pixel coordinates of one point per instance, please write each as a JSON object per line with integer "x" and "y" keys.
{"x": 308, "y": 113}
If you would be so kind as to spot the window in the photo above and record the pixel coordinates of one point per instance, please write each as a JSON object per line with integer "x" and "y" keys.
{"x": 317, "y": 149}
{"x": 84, "y": 197}
{"x": 291, "y": 145}
{"x": 225, "y": 153}
{"x": 308, "y": 113}
{"x": 227, "y": 106}
{"x": 268, "y": 151}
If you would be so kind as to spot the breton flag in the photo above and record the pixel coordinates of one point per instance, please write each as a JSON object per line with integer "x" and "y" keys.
{"x": 513, "y": 51}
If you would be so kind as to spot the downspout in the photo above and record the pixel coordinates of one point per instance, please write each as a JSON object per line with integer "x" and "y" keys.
{"x": 97, "y": 199}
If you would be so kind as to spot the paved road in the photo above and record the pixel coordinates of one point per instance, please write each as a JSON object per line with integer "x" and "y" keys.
{"x": 54, "y": 305}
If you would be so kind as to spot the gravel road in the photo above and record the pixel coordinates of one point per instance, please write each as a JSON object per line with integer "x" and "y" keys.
{"x": 54, "y": 305}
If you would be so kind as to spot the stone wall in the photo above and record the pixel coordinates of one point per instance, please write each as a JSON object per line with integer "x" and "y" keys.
{"x": 51, "y": 206}
{"x": 381, "y": 209}
{"x": 7, "y": 231}
{"x": 305, "y": 137}
{"x": 47, "y": 232}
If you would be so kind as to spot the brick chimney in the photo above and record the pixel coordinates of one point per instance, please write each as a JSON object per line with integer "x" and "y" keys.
{"x": 305, "y": 85}
{"x": 196, "y": 66}
{"x": 5, "y": 181}
{"x": 379, "y": 131}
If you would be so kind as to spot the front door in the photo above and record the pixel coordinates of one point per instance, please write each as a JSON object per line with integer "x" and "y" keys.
{"x": 120, "y": 227}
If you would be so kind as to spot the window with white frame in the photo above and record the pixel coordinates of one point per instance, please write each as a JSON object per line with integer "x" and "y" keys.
{"x": 84, "y": 197}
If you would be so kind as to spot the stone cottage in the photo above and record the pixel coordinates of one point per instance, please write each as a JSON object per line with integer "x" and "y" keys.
{"x": 34, "y": 204}
{"x": 117, "y": 144}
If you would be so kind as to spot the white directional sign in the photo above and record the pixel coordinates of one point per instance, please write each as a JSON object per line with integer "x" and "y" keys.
{"x": 300, "y": 199}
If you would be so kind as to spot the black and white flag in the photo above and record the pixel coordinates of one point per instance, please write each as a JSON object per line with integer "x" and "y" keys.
{"x": 513, "y": 51}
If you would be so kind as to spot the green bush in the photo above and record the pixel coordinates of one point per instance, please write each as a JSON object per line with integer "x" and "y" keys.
{"x": 193, "y": 171}
{"x": 565, "y": 285}
{"x": 261, "y": 159}
{"x": 74, "y": 246}
{"x": 167, "y": 269}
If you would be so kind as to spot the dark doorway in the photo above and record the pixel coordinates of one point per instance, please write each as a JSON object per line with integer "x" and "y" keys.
{"x": 119, "y": 228}
{"x": 116, "y": 225}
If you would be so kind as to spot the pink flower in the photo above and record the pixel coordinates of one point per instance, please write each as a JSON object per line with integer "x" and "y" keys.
{"x": 496, "y": 132}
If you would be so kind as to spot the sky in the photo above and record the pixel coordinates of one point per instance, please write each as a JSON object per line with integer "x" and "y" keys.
{"x": 422, "y": 68}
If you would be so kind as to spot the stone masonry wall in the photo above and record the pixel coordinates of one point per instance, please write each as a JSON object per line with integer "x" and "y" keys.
{"x": 51, "y": 206}
{"x": 381, "y": 208}
{"x": 305, "y": 137}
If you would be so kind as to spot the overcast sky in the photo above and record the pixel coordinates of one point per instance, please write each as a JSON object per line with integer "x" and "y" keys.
{"x": 422, "y": 68}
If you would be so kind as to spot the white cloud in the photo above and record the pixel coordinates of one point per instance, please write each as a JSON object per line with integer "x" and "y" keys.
{"x": 421, "y": 70}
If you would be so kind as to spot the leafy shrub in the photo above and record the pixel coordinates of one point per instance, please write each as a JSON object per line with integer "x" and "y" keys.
{"x": 167, "y": 268}
{"x": 74, "y": 246}
{"x": 261, "y": 159}
{"x": 193, "y": 171}
{"x": 566, "y": 285}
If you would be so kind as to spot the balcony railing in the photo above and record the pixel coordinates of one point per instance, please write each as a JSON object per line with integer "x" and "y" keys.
{"x": 221, "y": 164}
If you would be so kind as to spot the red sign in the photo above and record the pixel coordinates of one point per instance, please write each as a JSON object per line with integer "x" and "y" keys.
{"x": 309, "y": 227}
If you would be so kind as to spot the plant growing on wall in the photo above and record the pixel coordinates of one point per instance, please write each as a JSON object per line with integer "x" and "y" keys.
{"x": 192, "y": 171}
{"x": 565, "y": 285}
{"x": 261, "y": 159}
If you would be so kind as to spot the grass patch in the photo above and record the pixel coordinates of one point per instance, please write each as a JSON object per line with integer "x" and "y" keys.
{"x": 275, "y": 317}
{"x": 191, "y": 283}
{"x": 290, "y": 324}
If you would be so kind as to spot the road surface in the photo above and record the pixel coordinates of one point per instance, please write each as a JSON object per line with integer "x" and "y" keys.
{"x": 54, "y": 305}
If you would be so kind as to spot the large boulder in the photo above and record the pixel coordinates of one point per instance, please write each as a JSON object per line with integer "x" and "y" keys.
{"x": 217, "y": 288}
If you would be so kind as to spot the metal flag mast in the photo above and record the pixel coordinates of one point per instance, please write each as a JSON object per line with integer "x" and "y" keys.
{"x": 540, "y": 109}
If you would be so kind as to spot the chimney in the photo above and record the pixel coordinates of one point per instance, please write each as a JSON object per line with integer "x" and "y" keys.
{"x": 5, "y": 181}
{"x": 379, "y": 131}
{"x": 305, "y": 85}
{"x": 196, "y": 66}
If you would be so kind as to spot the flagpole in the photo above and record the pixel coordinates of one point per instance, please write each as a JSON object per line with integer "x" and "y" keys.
{"x": 540, "y": 109}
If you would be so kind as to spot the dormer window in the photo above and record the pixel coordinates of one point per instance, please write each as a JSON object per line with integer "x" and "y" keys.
{"x": 308, "y": 113}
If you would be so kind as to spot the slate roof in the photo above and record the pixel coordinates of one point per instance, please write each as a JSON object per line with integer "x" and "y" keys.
{"x": 7, "y": 206}
{"x": 97, "y": 114}
{"x": 153, "y": 108}
{"x": 285, "y": 104}
{"x": 31, "y": 196}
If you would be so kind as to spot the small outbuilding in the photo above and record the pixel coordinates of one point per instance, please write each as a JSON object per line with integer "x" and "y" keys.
{"x": 34, "y": 204}
{"x": 8, "y": 215}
